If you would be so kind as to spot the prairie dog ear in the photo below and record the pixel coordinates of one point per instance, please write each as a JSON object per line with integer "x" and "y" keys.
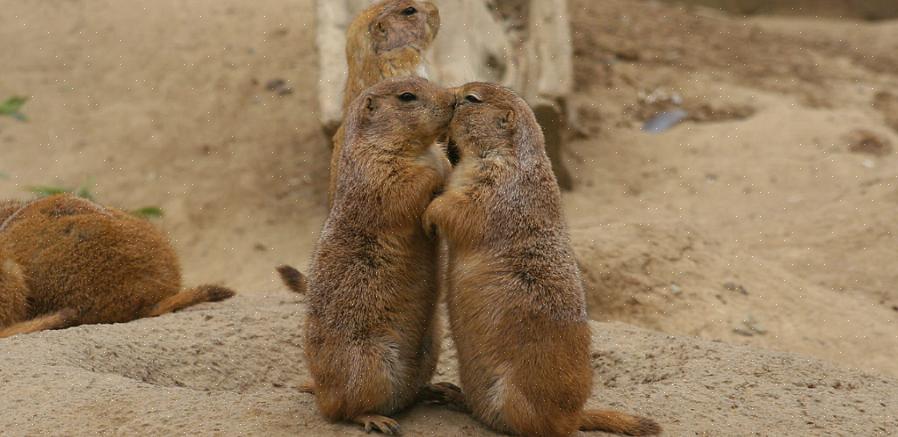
{"x": 370, "y": 105}
{"x": 378, "y": 28}
{"x": 507, "y": 121}
{"x": 369, "y": 108}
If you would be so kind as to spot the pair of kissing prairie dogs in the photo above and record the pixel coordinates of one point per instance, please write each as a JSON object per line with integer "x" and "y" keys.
{"x": 515, "y": 300}
{"x": 68, "y": 261}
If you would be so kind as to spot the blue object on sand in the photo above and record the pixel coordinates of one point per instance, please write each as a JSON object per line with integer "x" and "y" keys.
{"x": 664, "y": 121}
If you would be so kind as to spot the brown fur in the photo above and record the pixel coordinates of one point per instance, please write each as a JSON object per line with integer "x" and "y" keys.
{"x": 371, "y": 331}
{"x": 105, "y": 265}
{"x": 188, "y": 298}
{"x": 7, "y": 208}
{"x": 13, "y": 295}
{"x": 293, "y": 279}
{"x": 57, "y": 320}
{"x": 382, "y": 42}
{"x": 516, "y": 303}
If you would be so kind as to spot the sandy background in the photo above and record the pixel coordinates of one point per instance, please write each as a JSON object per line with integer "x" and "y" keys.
{"x": 756, "y": 242}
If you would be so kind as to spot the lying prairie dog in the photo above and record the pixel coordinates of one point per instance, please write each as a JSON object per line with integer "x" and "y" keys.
{"x": 77, "y": 262}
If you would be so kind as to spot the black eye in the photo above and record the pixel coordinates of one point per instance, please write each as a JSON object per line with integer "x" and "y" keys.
{"x": 408, "y": 97}
{"x": 409, "y": 11}
{"x": 473, "y": 99}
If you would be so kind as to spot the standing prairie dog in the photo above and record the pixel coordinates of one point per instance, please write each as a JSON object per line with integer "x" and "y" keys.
{"x": 516, "y": 303}
{"x": 78, "y": 262}
{"x": 388, "y": 39}
{"x": 371, "y": 331}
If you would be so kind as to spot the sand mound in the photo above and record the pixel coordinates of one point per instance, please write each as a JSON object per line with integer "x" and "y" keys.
{"x": 673, "y": 278}
{"x": 767, "y": 218}
{"x": 232, "y": 368}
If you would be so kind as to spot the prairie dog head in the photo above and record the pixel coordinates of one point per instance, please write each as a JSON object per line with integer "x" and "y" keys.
{"x": 402, "y": 115}
{"x": 491, "y": 120}
{"x": 394, "y": 24}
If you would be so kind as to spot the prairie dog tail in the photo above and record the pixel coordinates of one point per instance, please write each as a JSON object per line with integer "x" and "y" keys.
{"x": 60, "y": 319}
{"x": 617, "y": 422}
{"x": 293, "y": 279}
{"x": 190, "y": 297}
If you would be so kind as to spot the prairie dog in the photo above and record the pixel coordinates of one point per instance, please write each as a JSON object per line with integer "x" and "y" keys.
{"x": 14, "y": 318}
{"x": 516, "y": 304}
{"x": 371, "y": 331}
{"x": 95, "y": 264}
{"x": 388, "y": 39}
{"x": 8, "y": 208}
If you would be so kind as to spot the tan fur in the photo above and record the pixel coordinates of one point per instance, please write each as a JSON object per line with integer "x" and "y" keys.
{"x": 57, "y": 320}
{"x": 188, "y": 298}
{"x": 516, "y": 303}
{"x": 382, "y": 42}
{"x": 371, "y": 331}
{"x": 104, "y": 264}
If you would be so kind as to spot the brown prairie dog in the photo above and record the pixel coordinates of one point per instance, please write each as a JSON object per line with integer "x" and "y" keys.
{"x": 516, "y": 303}
{"x": 371, "y": 331}
{"x": 85, "y": 263}
{"x": 7, "y": 208}
{"x": 13, "y": 297}
{"x": 386, "y": 40}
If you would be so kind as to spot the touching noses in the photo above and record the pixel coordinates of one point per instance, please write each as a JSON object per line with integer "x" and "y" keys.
{"x": 455, "y": 100}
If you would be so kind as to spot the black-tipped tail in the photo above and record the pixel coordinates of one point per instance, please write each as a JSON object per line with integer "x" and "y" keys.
{"x": 293, "y": 279}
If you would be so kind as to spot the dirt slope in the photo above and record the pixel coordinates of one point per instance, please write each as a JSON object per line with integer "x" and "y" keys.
{"x": 768, "y": 217}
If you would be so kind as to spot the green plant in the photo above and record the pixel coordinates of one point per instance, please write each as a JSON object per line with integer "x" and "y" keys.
{"x": 12, "y": 108}
{"x": 47, "y": 190}
{"x": 83, "y": 191}
{"x": 148, "y": 212}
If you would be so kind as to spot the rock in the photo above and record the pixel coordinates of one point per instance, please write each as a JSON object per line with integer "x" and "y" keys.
{"x": 275, "y": 84}
{"x": 868, "y": 142}
{"x": 753, "y": 325}
{"x": 743, "y": 331}
{"x": 887, "y": 104}
{"x": 732, "y": 286}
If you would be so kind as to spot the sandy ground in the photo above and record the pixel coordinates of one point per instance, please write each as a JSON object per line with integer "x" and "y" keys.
{"x": 232, "y": 369}
{"x": 756, "y": 241}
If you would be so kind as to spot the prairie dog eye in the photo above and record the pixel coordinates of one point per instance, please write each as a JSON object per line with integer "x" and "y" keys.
{"x": 409, "y": 11}
{"x": 473, "y": 98}
{"x": 408, "y": 97}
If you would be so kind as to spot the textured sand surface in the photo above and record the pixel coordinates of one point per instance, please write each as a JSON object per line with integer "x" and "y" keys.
{"x": 231, "y": 368}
